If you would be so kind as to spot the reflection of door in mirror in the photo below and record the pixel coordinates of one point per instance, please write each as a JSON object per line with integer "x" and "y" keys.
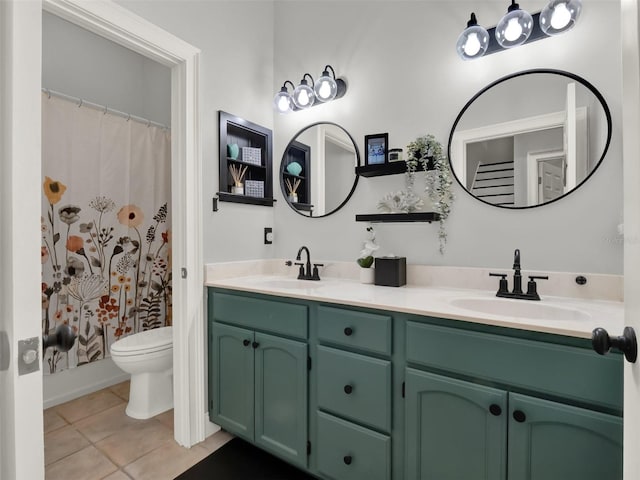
{"x": 496, "y": 157}
{"x": 521, "y": 119}
{"x": 328, "y": 156}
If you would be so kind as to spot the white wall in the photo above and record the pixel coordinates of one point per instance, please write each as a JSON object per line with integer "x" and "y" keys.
{"x": 81, "y": 64}
{"x": 236, "y": 41}
{"x": 405, "y": 78}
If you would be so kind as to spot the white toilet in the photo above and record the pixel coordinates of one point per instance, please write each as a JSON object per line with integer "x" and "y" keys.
{"x": 148, "y": 357}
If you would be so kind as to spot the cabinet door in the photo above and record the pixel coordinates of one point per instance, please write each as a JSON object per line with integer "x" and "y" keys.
{"x": 281, "y": 397}
{"x": 232, "y": 383}
{"x": 552, "y": 441}
{"x": 454, "y": 429}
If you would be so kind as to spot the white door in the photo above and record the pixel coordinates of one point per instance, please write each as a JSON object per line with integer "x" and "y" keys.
{"x": 571, "y": 137}
{"x": 21, "y": 435}
{"x": 551, "y": 183}
{"x": 631, "y": 168}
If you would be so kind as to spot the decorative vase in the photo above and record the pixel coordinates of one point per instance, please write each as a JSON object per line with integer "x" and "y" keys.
{"x": 294, "y": 168}
{"x": 367, "y": 275}
{"x": 237, "y": 189}
{"x": 233, "y": 150}
{"x": 293, "y": 197}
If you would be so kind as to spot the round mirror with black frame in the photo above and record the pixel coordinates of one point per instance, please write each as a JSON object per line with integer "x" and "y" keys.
{"x": 317, "y": 172}
{"x": 530, "y": 138}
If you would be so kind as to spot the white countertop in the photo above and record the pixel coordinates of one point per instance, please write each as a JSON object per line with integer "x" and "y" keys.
{"x": 557, "y": 315}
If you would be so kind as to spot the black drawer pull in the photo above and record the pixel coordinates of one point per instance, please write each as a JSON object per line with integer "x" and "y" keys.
{"x": 495, "y": 409}
{"x": 255, "y": 344}
{"x": 348, "y": 389}
{"x": 348, "y": 331}
{"x": 246, "y": 343}
{"x": 347, "y": 459}
{"x": 519, "y": 416}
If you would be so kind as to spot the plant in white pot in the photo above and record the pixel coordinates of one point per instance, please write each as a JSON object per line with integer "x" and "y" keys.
{"x": 365, "y": 260}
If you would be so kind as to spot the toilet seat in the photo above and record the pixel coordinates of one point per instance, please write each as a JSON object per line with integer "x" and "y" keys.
{"x": 149, "y": 341}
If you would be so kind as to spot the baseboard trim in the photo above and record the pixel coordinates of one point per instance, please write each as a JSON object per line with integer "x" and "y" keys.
{"x": 70, "y": 384}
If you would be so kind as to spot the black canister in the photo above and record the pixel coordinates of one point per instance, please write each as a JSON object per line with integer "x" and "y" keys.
{"x": 391, "y": 271}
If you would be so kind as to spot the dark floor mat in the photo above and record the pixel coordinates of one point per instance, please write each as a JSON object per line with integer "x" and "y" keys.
{"x": 239, "y": 460}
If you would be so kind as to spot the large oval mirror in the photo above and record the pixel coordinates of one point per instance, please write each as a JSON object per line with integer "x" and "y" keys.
{"x": 530, "y": 138}
{"x": 317, "y": 172}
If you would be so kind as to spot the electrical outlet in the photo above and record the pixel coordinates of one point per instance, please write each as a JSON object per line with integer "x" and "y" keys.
{"x": 268, "y": 235}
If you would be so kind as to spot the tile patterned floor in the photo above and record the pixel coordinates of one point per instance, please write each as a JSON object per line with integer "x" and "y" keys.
{"x": 91, "y": 438}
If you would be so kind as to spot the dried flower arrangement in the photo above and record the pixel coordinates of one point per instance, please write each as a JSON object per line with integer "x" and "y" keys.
{"x": 237, "y": 173}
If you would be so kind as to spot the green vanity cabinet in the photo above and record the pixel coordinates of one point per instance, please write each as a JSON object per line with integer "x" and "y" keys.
{"x": 259, "y": 385}
{"x": 350, "y": 393}
{"x": 454, "y": 429}
{"x": 499, "y": 432}
{"x": 553, "y": 441}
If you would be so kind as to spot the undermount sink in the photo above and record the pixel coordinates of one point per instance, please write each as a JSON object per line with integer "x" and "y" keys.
{"x": 290, "y": 283}
{"x": 519, "y": 309}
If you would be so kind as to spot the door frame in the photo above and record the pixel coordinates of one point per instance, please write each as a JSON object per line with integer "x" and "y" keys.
{"x": 121, "y": 26}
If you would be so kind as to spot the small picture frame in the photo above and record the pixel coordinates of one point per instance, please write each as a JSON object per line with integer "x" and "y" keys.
{"x": 376, "y": 148}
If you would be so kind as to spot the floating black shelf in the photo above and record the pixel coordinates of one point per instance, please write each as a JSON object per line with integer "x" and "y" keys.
{"x": 399, "y": 217}
{"x": 392, "y": 168}
{"x": 231, "y": 197}
{"x": 307, "y": 207}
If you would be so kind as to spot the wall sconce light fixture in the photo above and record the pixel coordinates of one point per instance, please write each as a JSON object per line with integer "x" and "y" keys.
{"x": 517, "y": 27}
{"x": 325, "y": 89}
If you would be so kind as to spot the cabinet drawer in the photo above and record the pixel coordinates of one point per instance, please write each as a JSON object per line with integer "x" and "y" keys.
{"x": 364, "y": 331}
{"x": 259, "y": 314}
{"x": 355, "y": 386}
{"x": 546, "y": 368}
{"x": 350, "y": 452}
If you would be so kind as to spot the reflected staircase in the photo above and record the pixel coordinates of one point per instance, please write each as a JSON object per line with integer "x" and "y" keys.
{"x": 494, "y": 183}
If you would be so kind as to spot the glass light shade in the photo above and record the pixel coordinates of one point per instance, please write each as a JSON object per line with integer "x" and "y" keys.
{"x": 472, "y": 42}
{"x": 559, "y": 16}
{"x": 303, "y": 95}
{"x": 325, "y": 87}
{"x": 514, "y": 28}
{"x": 282, "y": 101}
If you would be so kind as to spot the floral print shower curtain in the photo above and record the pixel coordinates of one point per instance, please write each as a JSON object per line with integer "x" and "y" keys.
{"x": 106, "y": 239}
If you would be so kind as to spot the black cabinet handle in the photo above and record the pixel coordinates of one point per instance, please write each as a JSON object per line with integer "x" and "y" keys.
{"x": 495, "y": 409}
{"x": 348, "y": 389}
{"x": 347, "y": 459}
{"x": 246, "y": 342}
{"x": 255, "y": 344}
{"x": 627, "y": 344}
{"x": 348, "y": 331}
{"x": 519, "y": 416}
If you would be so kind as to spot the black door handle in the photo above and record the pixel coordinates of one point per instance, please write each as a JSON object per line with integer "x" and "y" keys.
{"x": 627, "y": 344}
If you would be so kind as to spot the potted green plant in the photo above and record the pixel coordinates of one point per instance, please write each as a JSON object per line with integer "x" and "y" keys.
{"x": 365, "y": 260}
{"x": 428, "y": 153}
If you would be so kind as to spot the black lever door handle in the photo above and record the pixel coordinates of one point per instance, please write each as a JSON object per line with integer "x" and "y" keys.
{"x": 626, "y": 343}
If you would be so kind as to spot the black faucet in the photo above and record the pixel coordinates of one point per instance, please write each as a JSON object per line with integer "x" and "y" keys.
{"x": 532, "y": 288}
{"x": 305, "y": 269}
